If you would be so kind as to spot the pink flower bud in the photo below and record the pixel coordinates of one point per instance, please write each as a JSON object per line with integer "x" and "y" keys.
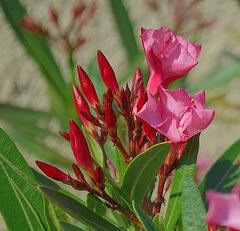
{"x": 80, "y": 149}
{"x": 53, "y": 172}
{"x": 110, "y": 118}
{"x": 87, "y": 87}
{"x": 65, "y": 135}
{"x": 107, "y": 73}
{"x": 138, "y": 78}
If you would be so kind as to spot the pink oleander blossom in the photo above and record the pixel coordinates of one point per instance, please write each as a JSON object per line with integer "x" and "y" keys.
{"x": 169, "y": 57}
{"x": 177, "y": 115}
{"x": 223, "y": 210}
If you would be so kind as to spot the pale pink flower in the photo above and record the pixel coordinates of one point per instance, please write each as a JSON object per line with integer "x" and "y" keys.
{"x": 169, "y": 56}
{"x": 223, "y": 210}
{"x": 177, "y": 115}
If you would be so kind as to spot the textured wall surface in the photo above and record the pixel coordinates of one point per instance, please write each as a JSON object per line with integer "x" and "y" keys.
{"x": 22, "y": 84}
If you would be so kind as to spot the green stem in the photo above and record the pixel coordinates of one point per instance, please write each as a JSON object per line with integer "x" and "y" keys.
{"x": 71, "y": 66}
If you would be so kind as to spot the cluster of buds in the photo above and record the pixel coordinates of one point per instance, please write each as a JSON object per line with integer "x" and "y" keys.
{"x": 176, "y": 117}
{"x": 81, "y": 15}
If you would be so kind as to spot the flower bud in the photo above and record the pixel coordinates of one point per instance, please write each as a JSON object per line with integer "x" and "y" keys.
{"x": 110, "y": 118}
{"x": 53, "y": 172}
{"x": 137, "y": 79}
{"x": 78, "y": 173}
{"x": 87, "y": 87}
{"x": 99, "y": 177}
{"x": 80, "y": 149}
{"x": 107, "y": 73}
{"x": 65, "y": 135}
{"x": 81, "y": 105}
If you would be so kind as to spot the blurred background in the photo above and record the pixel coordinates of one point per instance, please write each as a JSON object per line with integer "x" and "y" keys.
{"x": 38, "y": 63}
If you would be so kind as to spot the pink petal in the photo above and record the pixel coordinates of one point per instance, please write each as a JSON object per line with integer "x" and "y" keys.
{"x": 169, "y": 129}
{"x": 194, "y": 49}
{"x": 224, "y": 209}
{"x": 150, "y": 111}
{"x": 174, "y": 102}
{"x": 177, "y": 63}
{"x": 182, "y": 40}
{"x": 199, "y": 98}
{"x": 200, "y": 120}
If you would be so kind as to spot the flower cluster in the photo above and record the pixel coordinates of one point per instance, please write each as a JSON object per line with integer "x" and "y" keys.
{"x": 176, "y": 117}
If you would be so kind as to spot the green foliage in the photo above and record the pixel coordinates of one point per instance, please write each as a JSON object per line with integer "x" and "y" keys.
{"x": 186, "y": 166}
{"x": 125, "y": 28}
{"x": 77, "y": 210}
{"x": 159, "y": 222}
{"x": 224, "y": 174}
{"x": 144, "y": 219}
{"x": 19, "y": 195}
{"x": 142, "y": 170}
{"x": 193, "y": 210}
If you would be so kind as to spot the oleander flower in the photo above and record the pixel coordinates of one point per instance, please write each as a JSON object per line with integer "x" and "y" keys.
{"x": 169, "y": 57}
{"x": 177, "y": 115}
{"x": 223, "y": 210}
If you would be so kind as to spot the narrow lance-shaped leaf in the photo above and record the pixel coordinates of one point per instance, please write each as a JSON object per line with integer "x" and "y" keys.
{"x": 13, "y": 201}
{"x": 142, "y": 170}
{"x": 77, "y": 210}
{"x": 125, "y": 28}
{"x": 193, "y": 210}
{"x": 224, "y": 174}
{"x": 186, "y": 165}
{"x": 144, "y": 219}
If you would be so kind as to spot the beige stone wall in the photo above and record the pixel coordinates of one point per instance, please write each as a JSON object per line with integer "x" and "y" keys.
{"x": 22, "y": 84}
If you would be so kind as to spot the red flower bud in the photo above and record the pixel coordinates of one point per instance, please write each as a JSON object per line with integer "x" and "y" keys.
{"x": 80, "y": 149}
{"x": 81, "y": 105}
{"x": 87, "y": 87}
{"x": 65, "y": 135}
{"x": 78, "y": 173}
{"x": 99, "y": 176}
{"x": 142, "y": 100}
{"x": 110, "y": 118}
{"x": 138, "y": 80}
{"x": 53, "y": 172}
{"x": 107, "y": 73}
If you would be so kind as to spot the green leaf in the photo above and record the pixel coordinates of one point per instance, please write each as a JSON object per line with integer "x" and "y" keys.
{"x": 223, "y": 76}
{"x": 18, "y": 198}
{"x": 96, "y": 205}
{"x": 186, "y": 165}
{"x": 77, "y": 210}
{"x": 125, "y": 28}
{"x": 193, "y": 210}
{"x": 70, "y": 227}
{"x": 95, "y": 149}
{"x": 159, "y": 222}
{"x": 144, "y": 219}
{"x": 142, "y": 170}
{"x": 120, "y": 164}
{"x": 224, "y": 174}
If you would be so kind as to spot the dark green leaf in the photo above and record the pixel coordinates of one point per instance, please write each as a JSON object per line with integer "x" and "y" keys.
{"x": 121, "y": 165}
{"x": 77, "y": 210}
{"x": 142, "y": 170}
{"x": 18, "y": 198}
{"x": 193, "y": 210}
{"x": 125, "y": 28}
{"x": 225, "y": 172}
{"x": 70, "y": 227}
{"x": 144, "y": 219}
{"x": 96, "y": 205}
{"x": 186, "y": 165}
